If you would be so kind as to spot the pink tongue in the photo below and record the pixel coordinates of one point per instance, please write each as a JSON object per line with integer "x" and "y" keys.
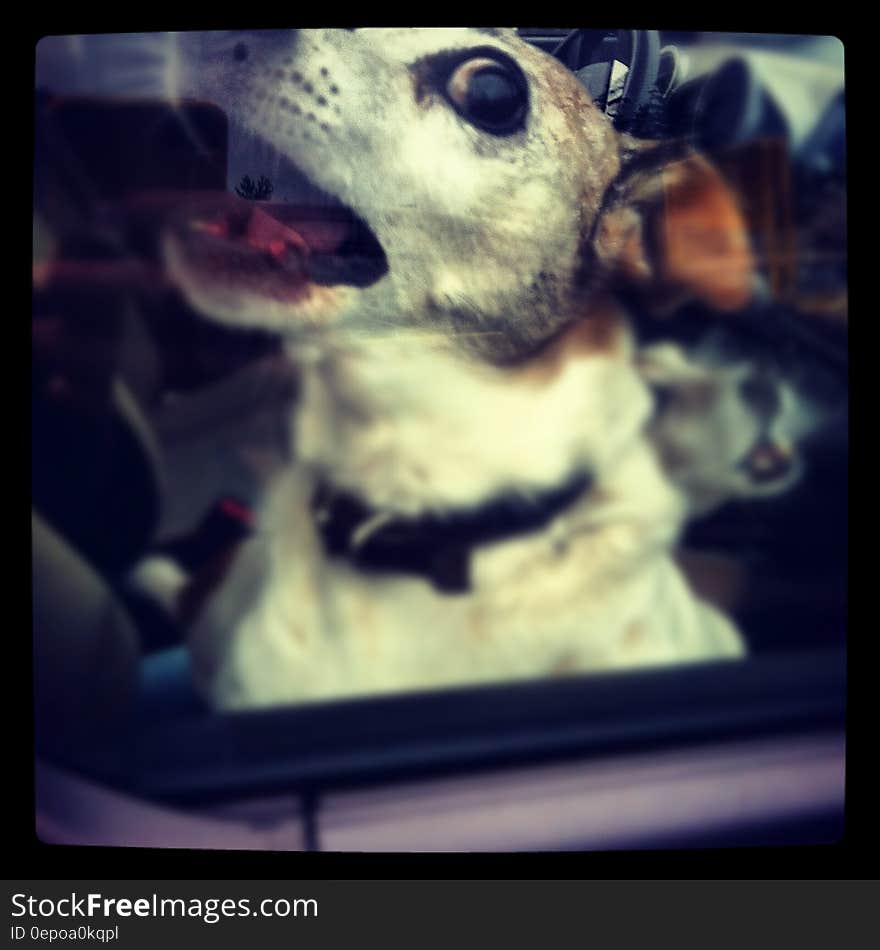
{"x": 267, "y": 234}
{"x": 310, "y": 233}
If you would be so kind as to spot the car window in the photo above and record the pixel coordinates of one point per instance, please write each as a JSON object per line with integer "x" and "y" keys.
{"x": 379, "y": 363}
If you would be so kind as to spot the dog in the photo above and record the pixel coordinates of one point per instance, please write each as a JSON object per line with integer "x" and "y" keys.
{"x": 726, "y": 427}
{"x": 473, "y": 495}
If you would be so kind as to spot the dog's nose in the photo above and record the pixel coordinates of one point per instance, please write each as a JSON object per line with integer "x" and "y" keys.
{"x": 768, "y": 461}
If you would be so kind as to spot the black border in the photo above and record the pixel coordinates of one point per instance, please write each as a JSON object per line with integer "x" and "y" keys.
{"x": 851, "y": 857}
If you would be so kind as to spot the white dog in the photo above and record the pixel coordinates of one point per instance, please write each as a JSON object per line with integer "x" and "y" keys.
{"x": 473, "y": 496}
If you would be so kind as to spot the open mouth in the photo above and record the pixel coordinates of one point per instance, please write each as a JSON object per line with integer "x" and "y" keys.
{"x": 277, "y": 250}
{"x": 274, "y": 250}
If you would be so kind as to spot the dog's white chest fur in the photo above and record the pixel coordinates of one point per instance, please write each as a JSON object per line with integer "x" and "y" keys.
{"x": 412, "y": 428}
{"x": 593, "y": 590}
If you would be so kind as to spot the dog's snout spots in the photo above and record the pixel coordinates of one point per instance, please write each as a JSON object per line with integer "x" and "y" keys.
{"x": 304, "y": 85}
{"x": 240, "y": 52}
{"x": 289, "y": 106}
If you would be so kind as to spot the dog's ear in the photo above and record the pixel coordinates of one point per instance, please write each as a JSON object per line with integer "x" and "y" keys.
{"x": 673, "y": 229}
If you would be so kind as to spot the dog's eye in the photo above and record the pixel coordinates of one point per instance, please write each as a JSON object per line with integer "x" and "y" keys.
{"x": 489, "y": 94}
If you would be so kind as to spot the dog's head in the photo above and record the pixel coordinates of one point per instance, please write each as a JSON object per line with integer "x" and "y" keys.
{"x": 725, "y": 427}
{"x": 464, "y": 184}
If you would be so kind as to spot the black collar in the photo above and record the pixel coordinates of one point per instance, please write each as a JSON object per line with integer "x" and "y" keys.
{"x": 435, "y": 546}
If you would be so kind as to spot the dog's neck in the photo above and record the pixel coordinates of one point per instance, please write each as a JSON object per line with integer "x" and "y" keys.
{"x": 411, "y": 427}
